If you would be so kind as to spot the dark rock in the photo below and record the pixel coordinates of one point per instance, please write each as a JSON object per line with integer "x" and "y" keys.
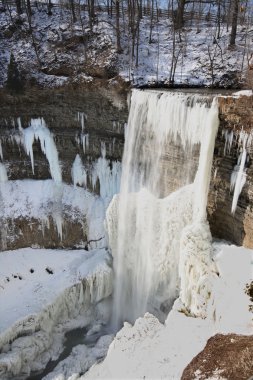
{"x": 224, "y": 356}
{"x": 234, "y": 113}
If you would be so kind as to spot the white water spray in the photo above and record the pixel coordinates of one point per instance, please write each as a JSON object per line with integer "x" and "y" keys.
{"x": 145, "y": 231}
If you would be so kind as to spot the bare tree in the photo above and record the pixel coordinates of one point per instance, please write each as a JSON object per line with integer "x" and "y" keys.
{"x": 176, "y": 51}
{"x": 180, "y": 14}
{"x": 18, "y": 7}
{"x": 235, "y": 10}
{"x": 117, "y": 8}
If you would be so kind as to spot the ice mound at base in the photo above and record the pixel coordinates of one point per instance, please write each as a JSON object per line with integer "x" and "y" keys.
{"x": 43, "y": 294}
{"x": 151, "y": 350}
{"x": 197, "y": 270}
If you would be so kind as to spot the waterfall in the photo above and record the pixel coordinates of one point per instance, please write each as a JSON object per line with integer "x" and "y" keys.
{"x": 157, "y": 202}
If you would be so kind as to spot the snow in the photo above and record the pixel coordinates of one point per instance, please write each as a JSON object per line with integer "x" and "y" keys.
{"x": 231, "y": 304}
{"x": 41, "y": 199}
{"x": 197, "y": 53}
{"x": 41, "y": 291}
{"x": 243, "y": 93}
{"x": 151, "y": 350}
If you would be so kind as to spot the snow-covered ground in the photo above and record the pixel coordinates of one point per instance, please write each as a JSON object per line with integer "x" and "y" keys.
{"x": 151, "y": 350}
{"x": 43, "y": 294}
{"x": 202, "y": 58}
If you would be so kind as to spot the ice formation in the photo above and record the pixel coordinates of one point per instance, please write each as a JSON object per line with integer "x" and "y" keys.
{"x": 42, "y": 199}
{"x": 78, "y": 173}
{"x": 243, "y": 141}
{"x": 238, "y": 179}
{"x": 229, "y": 136}
{"x": 1, "y": 151}
{"x": 80, "y": 360}
{"x": 85, "y": 141}
{"x": 81, "y": 117}
{"x": 33, "y": 327}
{"x": 38, "y": 131}
{"x": 107, "y": 175}
{"x": 145, "y": 231}
{"x": 3, "y": 173}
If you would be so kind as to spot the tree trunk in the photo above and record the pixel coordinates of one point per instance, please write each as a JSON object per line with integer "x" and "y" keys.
{"x": 234, "y": 22}
{"x": 18, "y": 7}
{"x": 72, "y": 7}
{"x": 180, "y": 14}
{"x": 29, "y": 9}
{"x": 117, "y": 6}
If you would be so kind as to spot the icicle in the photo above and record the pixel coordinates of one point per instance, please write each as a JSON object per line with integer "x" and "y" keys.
{"x": 85, "y": 142}
{"x": 78, "y": 173}
{"x": 38, "y": 130}
{"x": 108, "y": 174}
{"x": 19, "y": 124}
{"x": 238, "y": 179}
{"x": 202, "y": 179}
{"x": 44, "y": 224}
{"x": 57, "y": 218}
{"x": 3, "y": 173}
{"x": 81, "y": 116}
{"x": 229, "y": 136}
{"x": 1, "y": 150}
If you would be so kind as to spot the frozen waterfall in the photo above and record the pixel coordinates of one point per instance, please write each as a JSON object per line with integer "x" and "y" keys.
{"x": 145, "y": 222}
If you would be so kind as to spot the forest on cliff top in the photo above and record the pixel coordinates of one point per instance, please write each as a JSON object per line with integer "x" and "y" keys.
{"x": 145, "y": 42}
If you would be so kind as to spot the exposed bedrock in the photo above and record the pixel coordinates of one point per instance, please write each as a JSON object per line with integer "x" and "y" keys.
{"x": 236, "y": 115}
{"x": 69, "y": 115}
{"x": 225, "y": 356}
{"x": 85, "y": 122}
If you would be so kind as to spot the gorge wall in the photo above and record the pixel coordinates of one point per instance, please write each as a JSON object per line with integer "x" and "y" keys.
{"x": 90, "y": 123}
{"x": 83, "y": 123}
{"x": 236, "y": 115}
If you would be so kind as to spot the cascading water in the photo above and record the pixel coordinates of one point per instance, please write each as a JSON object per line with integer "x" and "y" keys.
{"x": 145, "y": 221}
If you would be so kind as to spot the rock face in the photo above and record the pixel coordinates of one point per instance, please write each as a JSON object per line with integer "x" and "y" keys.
{"x": 88, "y": 123}
{"x": 86, "y": 120}
{"x": 236, "y": 114}
{"x": 225, "y": 357}
{"x": 102, "y": 113}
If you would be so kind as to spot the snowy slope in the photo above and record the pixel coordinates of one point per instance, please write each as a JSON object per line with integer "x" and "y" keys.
{"x": 151, "y": 350}
{"x": 44, "y": 293}
{"x": 203, "y": 60}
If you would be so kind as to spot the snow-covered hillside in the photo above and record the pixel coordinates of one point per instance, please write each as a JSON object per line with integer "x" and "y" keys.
{"x": 61, "y": 52}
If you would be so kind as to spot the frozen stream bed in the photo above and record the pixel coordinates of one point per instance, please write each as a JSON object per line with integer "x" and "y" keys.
{"x": 44, "y": 294}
